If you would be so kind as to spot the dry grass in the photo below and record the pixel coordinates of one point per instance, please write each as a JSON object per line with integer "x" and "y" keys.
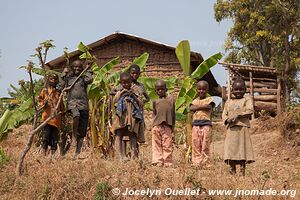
{"x": 93, "y": 178}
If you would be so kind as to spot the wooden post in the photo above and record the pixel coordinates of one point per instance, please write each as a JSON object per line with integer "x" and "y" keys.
{"x": 251, "y": 91}
{"x": 278, "y": 96}
{"x": 229, "y": 84}
{"x": 224, "y": 97}
{"x": 251, "y": 84}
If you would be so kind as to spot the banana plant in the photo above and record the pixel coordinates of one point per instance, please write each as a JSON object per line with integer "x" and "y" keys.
{"x": 100, "y": 101}
{"x": 14, "y": 118}
{"x": 188, "y": 91}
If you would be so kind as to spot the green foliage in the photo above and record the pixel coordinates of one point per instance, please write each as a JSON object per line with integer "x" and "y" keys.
{"x": 42, "y": 72}
{"x": 141, "y": 61}
{"x": 4, "y": 158}
{"x": 103, "y": 191}
{"x": 105, "y": 78}
{"x": 3, "y": 123}
{"x": 264, "y": 32}
{"x": 188, "y": 91}
{"x": 149, "y": 84}
{"x": 205, "y": 66}
{"x": 183, "y": 54}
{"x": 85, "y": 52}
{"x": 14, "y": 118}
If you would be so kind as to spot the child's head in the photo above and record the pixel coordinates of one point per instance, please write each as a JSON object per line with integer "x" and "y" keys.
{"x": 135, "y": 72}
{"x": 202, "y": 89}
{"x": 77, "y": 67}
{"x": 125, "y": 80}
{"x": 52, "y": 79}
{"x": 238, "y": 88}
{"x": 161, "y": 88}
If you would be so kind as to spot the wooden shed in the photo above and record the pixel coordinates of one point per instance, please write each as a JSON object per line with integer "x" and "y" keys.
{"x": 262, "y": 83}
{"x": 162, "y": 60}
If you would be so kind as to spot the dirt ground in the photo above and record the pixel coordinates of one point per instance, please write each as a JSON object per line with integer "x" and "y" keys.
{"x": 277, "y": 166}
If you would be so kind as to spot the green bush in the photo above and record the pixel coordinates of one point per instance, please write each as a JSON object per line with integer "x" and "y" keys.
{"x": 103, "y": 191}
{"x": 3, "y": 158}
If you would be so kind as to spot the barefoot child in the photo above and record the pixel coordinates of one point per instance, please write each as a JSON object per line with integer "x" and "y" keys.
{"x": 139, "y": 90}
{"x": 163, "y": 125}
{"x": 78, "y": 102}
{"x": 236, "y": 116}
{"x": 47, "y": 100}
{"x": 128, "y": 117}
{"x": 201, "y": 131}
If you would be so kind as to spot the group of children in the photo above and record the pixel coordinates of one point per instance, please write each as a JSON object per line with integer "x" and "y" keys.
{"x": 128, "y": 119}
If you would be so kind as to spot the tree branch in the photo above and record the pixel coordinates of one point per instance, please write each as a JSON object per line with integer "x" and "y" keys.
{"x": 54, "y": 113}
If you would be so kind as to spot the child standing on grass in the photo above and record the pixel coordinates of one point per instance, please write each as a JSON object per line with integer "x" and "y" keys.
{"x": 47, "y": 100}
{"x": 141, "y": 92}
{"x": 201, "y": 131}
{"x": 236, "y": 115}
{"x": 163, "y": 125}
{"x": 78, "y": 102}
{"x": 128, "y": 117}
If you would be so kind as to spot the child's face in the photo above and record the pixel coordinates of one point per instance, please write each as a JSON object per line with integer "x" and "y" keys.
{"x": 161, "y": 90}
{"x": 202, "y": 89}
{"x": 126, "y": 82}
{"x": 77, "y": 67}
{"x": 52, "y": 81}
{"x": 135, "y": 74}
{"x": 238, "y": 90}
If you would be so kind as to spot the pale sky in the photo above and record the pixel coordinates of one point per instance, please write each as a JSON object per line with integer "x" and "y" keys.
{"x": 24, "y": 24}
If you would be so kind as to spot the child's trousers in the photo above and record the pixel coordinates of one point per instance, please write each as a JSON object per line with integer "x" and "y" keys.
{"x": 50, "y": 137}
{"x": 162, "y": 145}
{"x": 201, "y": 136}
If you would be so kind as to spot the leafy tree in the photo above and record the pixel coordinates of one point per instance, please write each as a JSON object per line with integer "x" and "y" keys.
{"x": 264, "y": 32}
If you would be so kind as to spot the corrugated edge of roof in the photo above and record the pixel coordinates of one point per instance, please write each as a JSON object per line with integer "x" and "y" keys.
{"x": 112, "y": 36}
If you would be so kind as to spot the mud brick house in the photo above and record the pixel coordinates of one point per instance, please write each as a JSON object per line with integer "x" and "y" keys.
{"x": 162, "y": 60}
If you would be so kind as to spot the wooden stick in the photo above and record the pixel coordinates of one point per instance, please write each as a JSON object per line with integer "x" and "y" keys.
{"x": 251, "y": 90}
{"x": 261, "y": 84}
{"x": 54, "y": 113}
{"x": 260, "y": 79}
{"x": 262, "y": 105}
{"x": 229, "y": 85}
{"x": 279, "y": 110}
{"x": 265, "y": 97}
{"x": 263, "y": 90}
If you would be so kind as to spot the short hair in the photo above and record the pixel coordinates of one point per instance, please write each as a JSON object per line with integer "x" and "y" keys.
{"x": 81, "y": 62}
{"x": 135, "y": 66}
{"x": 203, "y": 81}
{"x": 161, "y": 82}
{"x": 125, "y": 75}
{"x": 52, "y": 75}
{"x": 238, "y": 79}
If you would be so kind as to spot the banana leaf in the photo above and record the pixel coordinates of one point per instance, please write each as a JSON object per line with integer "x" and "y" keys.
{"x": 183, "y": 55}
{"x": 14, "y": 118}
{"x": 3, "y": 123}
{"x": 205, "y": 66}
{"x": 141, "y": 60}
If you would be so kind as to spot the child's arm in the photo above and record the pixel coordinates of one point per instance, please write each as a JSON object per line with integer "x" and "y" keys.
{"x": 154, "y": 108}
{"x": 195, "y": 108}
{"x": 147, "y": 98}
{"x": 248, "y": 108}
{"x": 117, "y": 97}
{"x": 174, "y": 114}
{"x": 225, "y": 113}
{"x": 42, "y": 99}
